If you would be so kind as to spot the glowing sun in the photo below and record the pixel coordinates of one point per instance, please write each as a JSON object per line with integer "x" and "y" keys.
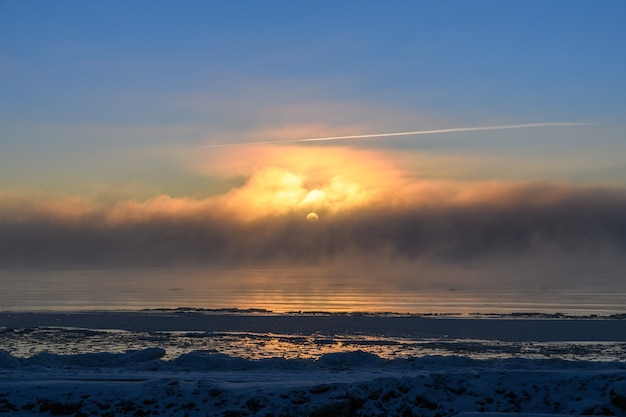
{"x": 312, "y": 217}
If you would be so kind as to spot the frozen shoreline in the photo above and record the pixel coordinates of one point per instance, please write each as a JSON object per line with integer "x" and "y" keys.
{"x": 350, "y": 384}
{"x": 505, "y": 328}
{"x": 104, "y": 370}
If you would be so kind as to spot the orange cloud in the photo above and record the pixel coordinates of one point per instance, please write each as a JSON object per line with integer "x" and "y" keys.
{"x": 408, "y": 231}
{"x": 283, "y": 179}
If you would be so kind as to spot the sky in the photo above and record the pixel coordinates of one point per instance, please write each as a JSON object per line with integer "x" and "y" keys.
{"x": 117, "y": 120}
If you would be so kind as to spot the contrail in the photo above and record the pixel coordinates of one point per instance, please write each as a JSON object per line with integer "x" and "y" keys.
{"x": 415, "y": 132}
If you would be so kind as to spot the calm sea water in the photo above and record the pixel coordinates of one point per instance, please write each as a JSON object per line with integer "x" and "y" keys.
{"x": 281, "y": 291}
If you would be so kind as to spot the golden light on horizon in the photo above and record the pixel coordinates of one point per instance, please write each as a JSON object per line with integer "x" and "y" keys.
{"x": 291, "y": 179}
{"x": 297, "y": 180}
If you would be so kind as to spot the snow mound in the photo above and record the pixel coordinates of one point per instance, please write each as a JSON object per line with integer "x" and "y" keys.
{"x": 83, "y": 360}
{"x": 353, "y": 359}
{"x": 354, "y": 384}
{"x": 210, "y": 361}
{"x": 618, "y": 395}
{"x": 7, "y": 361}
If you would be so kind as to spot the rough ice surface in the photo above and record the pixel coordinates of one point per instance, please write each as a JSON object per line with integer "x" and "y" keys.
{"x": 167, "y": 372}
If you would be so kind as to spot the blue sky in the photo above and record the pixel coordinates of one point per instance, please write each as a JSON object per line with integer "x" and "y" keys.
{"x": 104, "y": 105}
{"x": 101, "y": 93}
{"x": 131, "y": 63}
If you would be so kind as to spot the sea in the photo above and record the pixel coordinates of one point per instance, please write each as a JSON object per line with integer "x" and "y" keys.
{"x": 263, "y": 292}
{"x": 284, "y": 291}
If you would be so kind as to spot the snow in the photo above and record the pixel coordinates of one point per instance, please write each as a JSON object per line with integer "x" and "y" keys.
{"x": 340, "y": 384}
{"x": 349, "y": 381}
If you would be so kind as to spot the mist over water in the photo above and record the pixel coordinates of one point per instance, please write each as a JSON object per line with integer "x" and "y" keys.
{"x": 285, "y": 290}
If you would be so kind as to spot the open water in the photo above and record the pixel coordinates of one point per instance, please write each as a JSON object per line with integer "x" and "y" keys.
{"x": 282, "y": 291}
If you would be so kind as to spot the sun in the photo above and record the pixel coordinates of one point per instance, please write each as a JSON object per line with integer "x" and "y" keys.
{"x": 312, "y": 217}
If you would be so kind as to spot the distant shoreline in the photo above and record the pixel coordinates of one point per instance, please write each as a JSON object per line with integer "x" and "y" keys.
{"x": 318, "y": 313}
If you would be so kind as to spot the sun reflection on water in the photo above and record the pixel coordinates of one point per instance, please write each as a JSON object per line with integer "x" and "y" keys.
{"x": 281, "y": 291}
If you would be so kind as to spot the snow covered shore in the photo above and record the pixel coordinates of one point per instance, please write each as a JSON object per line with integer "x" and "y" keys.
{"x": 343, "y": 381}
{"x": 139, "y": 383}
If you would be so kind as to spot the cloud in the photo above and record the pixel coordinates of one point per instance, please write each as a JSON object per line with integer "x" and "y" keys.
{"x": 377, "y": 218}
{"x": 542, "y": 227}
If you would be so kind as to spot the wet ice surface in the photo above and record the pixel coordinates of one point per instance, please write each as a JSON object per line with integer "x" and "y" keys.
{"x": 69, "y": 341}
{"x": 139, "y": 364}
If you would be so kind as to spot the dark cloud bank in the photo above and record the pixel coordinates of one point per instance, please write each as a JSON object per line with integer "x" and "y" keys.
{"x": 576, "y": 223}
